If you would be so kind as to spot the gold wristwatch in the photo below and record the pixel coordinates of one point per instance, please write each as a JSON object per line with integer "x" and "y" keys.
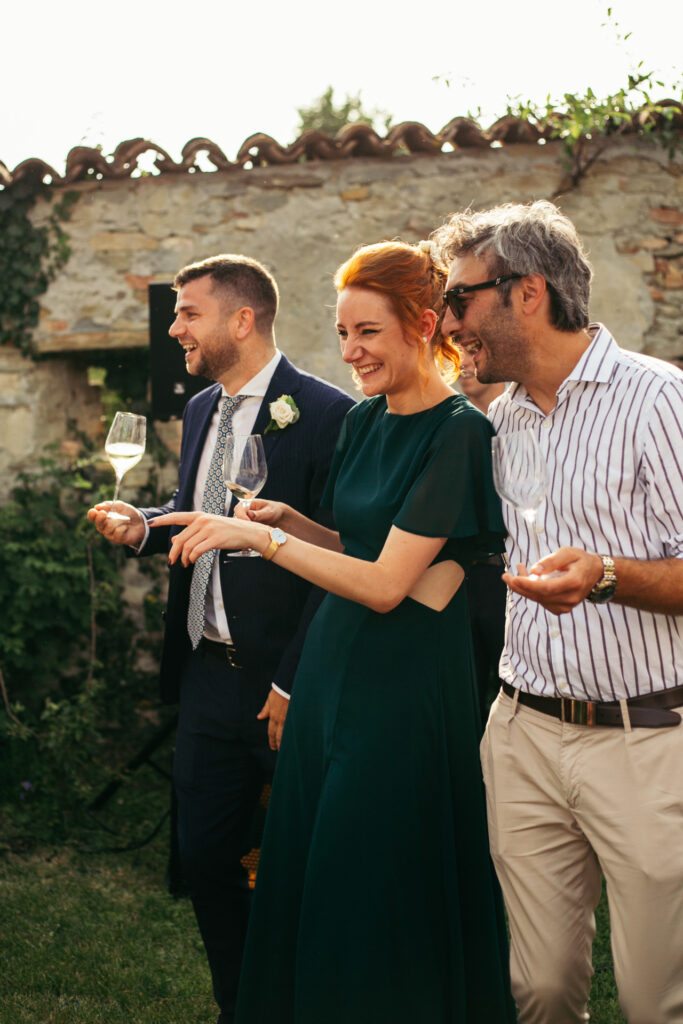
{"x": 277, "y": 539}
{"x": 606, "y": 587}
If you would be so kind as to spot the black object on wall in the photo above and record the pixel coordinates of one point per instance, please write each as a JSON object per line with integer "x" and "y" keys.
{"x": 172, "y": 385}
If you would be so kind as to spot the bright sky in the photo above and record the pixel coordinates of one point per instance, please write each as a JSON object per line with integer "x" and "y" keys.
{"x": 78, "y": 73}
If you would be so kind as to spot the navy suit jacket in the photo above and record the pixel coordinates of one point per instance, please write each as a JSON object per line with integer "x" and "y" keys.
{"x": 268, "y": 608}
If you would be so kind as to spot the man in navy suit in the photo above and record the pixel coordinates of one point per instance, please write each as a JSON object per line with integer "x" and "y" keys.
{"x": 233, "y": 688}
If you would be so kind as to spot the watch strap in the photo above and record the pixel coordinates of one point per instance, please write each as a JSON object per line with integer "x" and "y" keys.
{"x": 270, "y": 550}
{"x": 277, "y": 539}
{"x": 606, "y": 586}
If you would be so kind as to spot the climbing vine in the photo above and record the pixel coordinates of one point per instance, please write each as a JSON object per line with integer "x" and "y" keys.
{"x": 77, "y": 676}
{"x": 30, "y": 257}
{"x": 585, "y": 124}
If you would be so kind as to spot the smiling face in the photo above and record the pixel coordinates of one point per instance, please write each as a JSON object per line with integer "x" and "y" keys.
{"x": 468, "y": 378}
{"x": 374, "y": 343}
{"x": 203, "y": 326}
{"x": 489, "y": 331}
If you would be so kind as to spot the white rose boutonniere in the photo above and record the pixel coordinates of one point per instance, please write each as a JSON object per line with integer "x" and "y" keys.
{"x": 283, "y": 412}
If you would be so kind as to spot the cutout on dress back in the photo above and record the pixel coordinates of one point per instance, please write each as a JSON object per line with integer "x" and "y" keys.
{"x": 437, "y": 585}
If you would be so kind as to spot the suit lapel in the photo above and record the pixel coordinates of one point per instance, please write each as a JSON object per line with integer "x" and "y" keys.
{"x": 197, "y": 437}
{"x": 285, "y": 381}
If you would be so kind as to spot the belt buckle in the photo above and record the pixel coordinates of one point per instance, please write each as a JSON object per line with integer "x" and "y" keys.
{"x": 231, "y": 656}
{"x": 578, "y": 712}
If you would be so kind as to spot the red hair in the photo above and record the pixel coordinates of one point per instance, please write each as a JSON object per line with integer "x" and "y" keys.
{"x": 406, "y": 275}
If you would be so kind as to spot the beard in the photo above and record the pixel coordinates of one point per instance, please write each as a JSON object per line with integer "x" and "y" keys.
{"x": 505, "y": 348}
{"x": 488, "y": 375}
{"x": 216, "y": 355}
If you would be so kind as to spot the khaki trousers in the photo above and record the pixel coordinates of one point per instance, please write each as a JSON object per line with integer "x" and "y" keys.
{"x": 567, "y": 804}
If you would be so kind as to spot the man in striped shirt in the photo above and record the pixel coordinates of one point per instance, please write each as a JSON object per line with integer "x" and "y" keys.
{"x": 583, "y": 752}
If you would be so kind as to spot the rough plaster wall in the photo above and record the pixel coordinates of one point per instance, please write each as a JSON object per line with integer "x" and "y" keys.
{"x": 302, "y": 221}
{"x": 38, "y": 399}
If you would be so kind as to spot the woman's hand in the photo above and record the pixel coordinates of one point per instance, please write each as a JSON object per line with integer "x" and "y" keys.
{"x": 204, "y": 531}
{"x": 277, "y": 513}
{"x": 271, "y": 513}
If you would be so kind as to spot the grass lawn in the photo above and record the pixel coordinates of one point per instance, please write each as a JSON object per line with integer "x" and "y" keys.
{"x": 604, "y": 1007}
{"x": 96, "y": 939}
{"x": 93, "y": 937}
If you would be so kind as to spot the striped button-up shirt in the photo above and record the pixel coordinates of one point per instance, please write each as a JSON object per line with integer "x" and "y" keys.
{"x": 614, "y": 450}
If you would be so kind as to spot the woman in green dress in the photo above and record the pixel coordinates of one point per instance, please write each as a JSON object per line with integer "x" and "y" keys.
{"x": 376, "y": 901}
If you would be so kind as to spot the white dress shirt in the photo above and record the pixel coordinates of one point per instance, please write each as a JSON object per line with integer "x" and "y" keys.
{"x": 613, "y": 445}
{"x": 243, "y": 419}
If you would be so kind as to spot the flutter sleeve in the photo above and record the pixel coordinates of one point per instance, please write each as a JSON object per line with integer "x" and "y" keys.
{"x": 453, "y": 494}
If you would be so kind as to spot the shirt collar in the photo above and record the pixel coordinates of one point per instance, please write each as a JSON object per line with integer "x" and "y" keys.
{"x": 260, "y": 382}
{"x": 598, "y": 361}
{"x": 596, "y": 364}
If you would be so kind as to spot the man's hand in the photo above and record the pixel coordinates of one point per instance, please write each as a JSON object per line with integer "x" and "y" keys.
{"x": 275, "y": 710}
{"x": 119, "y": 531}
{"x": 579, "y": 572}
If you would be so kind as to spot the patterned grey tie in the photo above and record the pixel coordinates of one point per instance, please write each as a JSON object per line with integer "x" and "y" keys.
{"x": 213, "y": 500}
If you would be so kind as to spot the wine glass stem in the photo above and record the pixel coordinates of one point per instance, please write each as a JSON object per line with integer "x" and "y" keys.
{"x": 116, "y": 489}
{"x": 535, "y": 546}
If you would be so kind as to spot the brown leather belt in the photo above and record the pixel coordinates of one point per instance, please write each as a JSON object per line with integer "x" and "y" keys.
{"x": 216, "y": 649}
{"x": 647, "y": 712}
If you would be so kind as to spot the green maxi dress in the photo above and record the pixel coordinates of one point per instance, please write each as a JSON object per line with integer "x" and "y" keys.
{"x": 376, "y": 901}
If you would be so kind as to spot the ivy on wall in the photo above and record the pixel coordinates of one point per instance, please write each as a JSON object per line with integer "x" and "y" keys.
{"x": 585, "y": 123}
{"x": 30, "y": 258}
{"x": 75, "y": 700}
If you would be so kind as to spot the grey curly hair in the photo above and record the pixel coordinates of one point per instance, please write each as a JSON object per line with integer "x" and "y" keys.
{"x": 534, "y": 238}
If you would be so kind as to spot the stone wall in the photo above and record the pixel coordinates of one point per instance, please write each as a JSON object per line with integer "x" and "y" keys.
{"x": 302, "y": 220}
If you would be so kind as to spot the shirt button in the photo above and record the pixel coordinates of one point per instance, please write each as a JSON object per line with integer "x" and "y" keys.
{"x": 554, "y": 633}
{"x": 547, "y": 424}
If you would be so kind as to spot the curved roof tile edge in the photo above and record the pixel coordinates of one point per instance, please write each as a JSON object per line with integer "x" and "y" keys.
{"x": 357, "y": 140}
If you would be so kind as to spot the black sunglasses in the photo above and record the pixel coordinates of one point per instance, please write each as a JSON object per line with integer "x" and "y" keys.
{"x": 452, "y": 296}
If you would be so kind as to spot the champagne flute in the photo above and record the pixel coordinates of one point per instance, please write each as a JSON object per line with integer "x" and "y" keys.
{"x": 520, "y": 477}
{"x": 125, "y": 446}
{"x": 245, "y": 472}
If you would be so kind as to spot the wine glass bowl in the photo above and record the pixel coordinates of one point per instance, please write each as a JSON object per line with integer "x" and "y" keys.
{"x": 519, "y": 472}
{"x": 520, "y": 476}
{"x": 124, "y": 447}
{"x": 245, "y": 472}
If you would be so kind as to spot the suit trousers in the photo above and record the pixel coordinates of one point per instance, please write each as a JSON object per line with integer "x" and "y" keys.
{"x": 222, "y": 760}
{"x": 566, "y": 805}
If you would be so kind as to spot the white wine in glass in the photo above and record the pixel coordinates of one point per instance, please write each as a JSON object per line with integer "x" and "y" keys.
{"x": 245, "y": 472}
{"x": 125, "y": 446}
{"x": 520, "y": 476}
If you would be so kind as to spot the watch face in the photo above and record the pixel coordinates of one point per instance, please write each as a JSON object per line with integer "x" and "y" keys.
{"x": 605, "y": 589}
{"x": 278, "y": 535}
{"x": 604, "y": 593}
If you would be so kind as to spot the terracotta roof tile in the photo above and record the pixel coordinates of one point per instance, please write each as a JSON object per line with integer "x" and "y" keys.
{"x": 260, "y": 150}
